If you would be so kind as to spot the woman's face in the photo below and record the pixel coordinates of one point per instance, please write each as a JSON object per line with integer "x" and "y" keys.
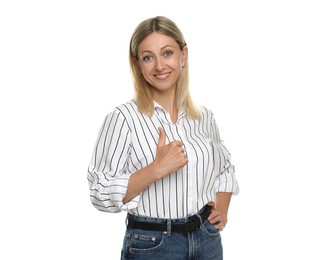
{"x": 161, "y": 61}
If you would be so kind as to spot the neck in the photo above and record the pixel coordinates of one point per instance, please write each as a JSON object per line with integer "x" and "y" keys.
{"x": 168, "y": 102}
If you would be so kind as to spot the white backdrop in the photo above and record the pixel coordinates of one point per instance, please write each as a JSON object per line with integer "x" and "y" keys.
{"x": 259, "y": 65}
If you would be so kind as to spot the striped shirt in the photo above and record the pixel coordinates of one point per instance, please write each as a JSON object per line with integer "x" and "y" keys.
{"x": 127, "y": 142}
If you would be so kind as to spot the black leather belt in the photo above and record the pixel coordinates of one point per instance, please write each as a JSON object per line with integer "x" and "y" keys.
{"x": 193, "y": 223}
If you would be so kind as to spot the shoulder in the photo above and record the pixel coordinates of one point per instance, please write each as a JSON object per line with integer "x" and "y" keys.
{"x": 126, "y": 109}
{"x": 206, "y": 112}
{"x": 125, "y": 113}
{"x": 121, "y": 116}
{"x": 208, "y": 117}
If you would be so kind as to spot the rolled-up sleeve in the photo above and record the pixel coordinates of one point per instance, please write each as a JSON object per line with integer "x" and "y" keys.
{"x": 225, "y": 179}
{"x": 108, "y": 176}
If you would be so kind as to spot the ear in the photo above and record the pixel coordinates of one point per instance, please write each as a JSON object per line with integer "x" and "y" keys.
{"x": 136, "y": 65}
{"x": 135, "y": 62}
{"x": 184, "y": 55}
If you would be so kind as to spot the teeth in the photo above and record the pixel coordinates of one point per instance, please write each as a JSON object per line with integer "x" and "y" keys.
{"x": 163, "y": 76}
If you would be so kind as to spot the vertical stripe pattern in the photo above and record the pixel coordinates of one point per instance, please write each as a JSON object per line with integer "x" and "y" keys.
{"x": 127, "y": 142}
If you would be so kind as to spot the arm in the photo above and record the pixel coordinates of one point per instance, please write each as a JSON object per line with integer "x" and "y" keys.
{"x": 226, "y": 184}
{"x": 169, "y": 158}
{"x": 112, "y": 188}
{"x": 219, "y": 214}
{"x": 107, "y": 174}
{"x": 222, "y": 205}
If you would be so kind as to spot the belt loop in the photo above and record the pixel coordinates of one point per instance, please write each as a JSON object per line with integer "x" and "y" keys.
{"x": 126, "y": 220}
{"x": 200, "y": 218}
{"x": 169, "y": 227}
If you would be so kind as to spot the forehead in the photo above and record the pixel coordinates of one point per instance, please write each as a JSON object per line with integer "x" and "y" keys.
{"x": 156, "y": 40}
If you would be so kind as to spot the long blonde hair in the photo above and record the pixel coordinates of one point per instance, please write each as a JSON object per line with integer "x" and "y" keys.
{"x": 143, "y": 95}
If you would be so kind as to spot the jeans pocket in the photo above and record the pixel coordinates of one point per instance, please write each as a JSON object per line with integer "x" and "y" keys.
{"x": 210, "y": 229}
{"x": 143, "y": 241}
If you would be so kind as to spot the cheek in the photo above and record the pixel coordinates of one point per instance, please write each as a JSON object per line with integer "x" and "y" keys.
{"x": 145, "y": 73}
{"x": 145, "y": 70}
{"x": 177, "y": 64}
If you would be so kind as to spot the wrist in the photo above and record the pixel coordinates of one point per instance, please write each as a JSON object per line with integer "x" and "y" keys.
{"x": 156, "y": 170}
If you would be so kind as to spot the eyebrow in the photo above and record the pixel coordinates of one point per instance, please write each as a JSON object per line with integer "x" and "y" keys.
{"x": 166, "y": 46}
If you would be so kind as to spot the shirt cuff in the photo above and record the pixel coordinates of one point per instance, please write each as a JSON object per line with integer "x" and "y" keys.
{"x": 227, "y": 182}
{"x": 118, "y": 188}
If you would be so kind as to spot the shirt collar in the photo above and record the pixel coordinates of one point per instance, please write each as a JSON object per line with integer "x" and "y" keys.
{"x": 181, "y": 112}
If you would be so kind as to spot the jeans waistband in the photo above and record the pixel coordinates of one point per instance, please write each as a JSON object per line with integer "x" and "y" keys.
{"x": 188, "y": 224}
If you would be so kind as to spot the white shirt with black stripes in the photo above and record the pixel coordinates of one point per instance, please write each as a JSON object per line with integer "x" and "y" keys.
{"x": 127, "y": 142}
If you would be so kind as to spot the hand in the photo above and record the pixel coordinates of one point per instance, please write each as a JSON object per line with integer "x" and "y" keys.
{"x": 216, "y": 218}
{"x": 169, "y": 157}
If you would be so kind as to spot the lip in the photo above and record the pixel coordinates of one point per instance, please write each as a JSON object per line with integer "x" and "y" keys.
{"x": 162, "y": 76}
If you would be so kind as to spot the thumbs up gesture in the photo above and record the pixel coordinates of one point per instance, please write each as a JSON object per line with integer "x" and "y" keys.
{"x": 169, "y": 157}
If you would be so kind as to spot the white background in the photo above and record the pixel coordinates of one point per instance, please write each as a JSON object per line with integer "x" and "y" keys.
{"x": 259, "y": 65}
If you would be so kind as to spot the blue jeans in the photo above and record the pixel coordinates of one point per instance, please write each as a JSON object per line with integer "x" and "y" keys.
{"x": 202, "y": 244}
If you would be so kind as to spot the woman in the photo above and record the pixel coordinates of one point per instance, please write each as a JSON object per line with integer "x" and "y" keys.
{"x": 160, "y": 158}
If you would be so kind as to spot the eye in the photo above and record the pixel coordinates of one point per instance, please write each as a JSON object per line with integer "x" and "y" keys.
{"x": 168, "y": 53}
{"x": 146, "y": 58}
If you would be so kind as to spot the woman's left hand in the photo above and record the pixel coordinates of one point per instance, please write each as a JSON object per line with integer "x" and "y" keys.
{"x": 216, "y": 218}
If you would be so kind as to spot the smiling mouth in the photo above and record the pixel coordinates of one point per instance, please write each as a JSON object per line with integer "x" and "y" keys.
{"x": 162, "y": 76}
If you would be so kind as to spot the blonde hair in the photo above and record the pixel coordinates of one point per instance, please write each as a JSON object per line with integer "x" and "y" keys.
{"x": 143, "y": 95}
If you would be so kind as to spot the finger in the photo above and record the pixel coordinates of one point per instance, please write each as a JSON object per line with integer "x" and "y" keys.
{"x": 162, "y": 137}
{"x": 214, "y": 217}
{"x": 177, "y": 143}
{"x": 216, "y": 220}
{"x": 220, "y": 226}
{"x": 211, "y": 204}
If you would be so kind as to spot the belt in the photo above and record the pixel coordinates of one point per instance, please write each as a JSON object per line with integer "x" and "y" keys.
{"x": 193, "y": 223}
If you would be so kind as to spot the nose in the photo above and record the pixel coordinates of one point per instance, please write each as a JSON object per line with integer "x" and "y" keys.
{"x": 159, "y": 64}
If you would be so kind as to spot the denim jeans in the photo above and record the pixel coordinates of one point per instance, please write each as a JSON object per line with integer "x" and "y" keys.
{"x": 202, "y": 244}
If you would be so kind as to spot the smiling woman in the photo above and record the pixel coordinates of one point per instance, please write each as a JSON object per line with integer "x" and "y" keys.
{"x": 160, "y": 157}
{"x": 161, "y": 61}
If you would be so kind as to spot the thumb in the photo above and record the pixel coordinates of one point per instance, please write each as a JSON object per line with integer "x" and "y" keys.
{"x": 162, "y": 137}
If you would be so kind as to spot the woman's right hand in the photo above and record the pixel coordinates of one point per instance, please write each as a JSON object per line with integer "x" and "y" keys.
{"x": 169, "y": 157}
